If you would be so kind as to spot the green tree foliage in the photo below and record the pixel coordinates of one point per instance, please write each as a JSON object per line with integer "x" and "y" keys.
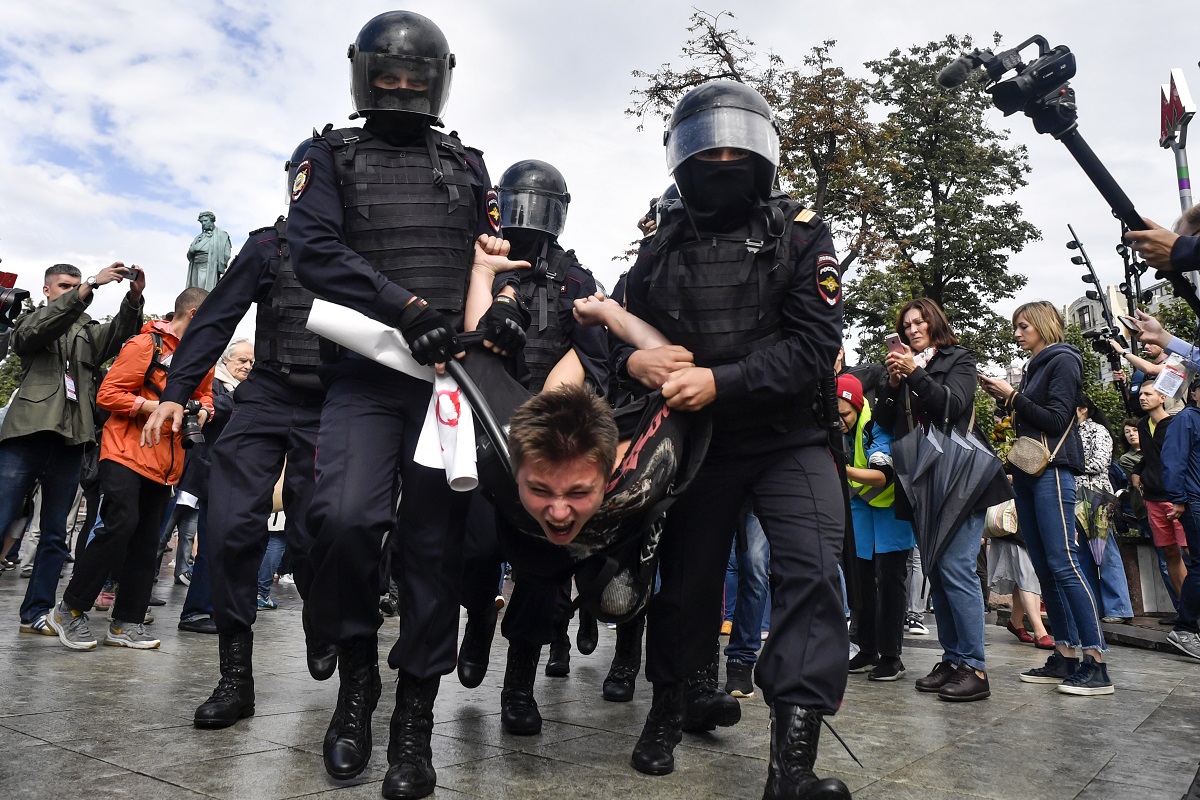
{"x": 919, "y": 202}
{"x": 949, "y": 221}
{"x": 10, "y": 376}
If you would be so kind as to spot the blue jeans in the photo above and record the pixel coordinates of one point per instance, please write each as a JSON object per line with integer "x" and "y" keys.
{"x": 1107, "y": 581}
{"x": 44, "y": 457}
{"x": 186, "y": 519}
{"x": 957, "y": 601}
{"x": 750, "y": 603}
{"x": 270, "y": 563}
{"x": 1189, "y": 600}
{"x": 1046, "y": 515}
{"x": 198, "y": 602}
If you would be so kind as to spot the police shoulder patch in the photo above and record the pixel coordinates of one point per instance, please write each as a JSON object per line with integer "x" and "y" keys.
{"x": 806, "y": 215}
{"x": 829, "y": 278}
{"x": 493, "y": 210}
{"x": 300, "y": 183}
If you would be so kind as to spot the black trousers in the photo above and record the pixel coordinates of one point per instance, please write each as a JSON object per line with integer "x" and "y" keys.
{"x": 535, "y": 609}
{"x": 798, "y": 499}
{"x": 132, "y": 510}
{"x": 271, "y": 421}
{"x": 884, "y": 602}
{"x": 369, "y": 428}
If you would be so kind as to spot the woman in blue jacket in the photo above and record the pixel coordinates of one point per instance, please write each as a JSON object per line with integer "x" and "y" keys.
{"x": 1044, "y": 409}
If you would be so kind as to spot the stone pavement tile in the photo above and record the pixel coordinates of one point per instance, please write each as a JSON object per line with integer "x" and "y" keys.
{"x": 121, "y": 786}
{"x": 10, "y": 739}
{"x": 447, "y": 751}
{"x": 1106, "y": 790}
{"x": 890, "y": 790}
{"x": 45, "y": 770}
{"x": 1173, "y": 722}
{"x": 271, "y": 775}
{"x": 90, "y": 722}
{"x": 291, "y": 729}
{"x": 1157, "y": 770}
{"x": 147, "y": 750}
{"x": 372, "y": 791}
{"x": 488, "y": 731}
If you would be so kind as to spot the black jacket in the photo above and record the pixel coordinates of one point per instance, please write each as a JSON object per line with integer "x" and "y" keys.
{"x": 1045, "y": 404}
{"x": 1150, "y": 468}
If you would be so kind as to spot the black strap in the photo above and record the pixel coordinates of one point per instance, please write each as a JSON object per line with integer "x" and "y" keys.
{"x": 155, "y": 364}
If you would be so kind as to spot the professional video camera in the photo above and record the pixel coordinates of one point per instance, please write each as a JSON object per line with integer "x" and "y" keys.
{"x": 12, "y": 300}
{"x": 1098, "y": 338}
{"x": 191, "y": 425}
{"x": 1041, "y": 91}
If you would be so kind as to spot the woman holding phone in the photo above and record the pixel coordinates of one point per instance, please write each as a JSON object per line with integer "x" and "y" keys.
{"x": 930, "y": 377}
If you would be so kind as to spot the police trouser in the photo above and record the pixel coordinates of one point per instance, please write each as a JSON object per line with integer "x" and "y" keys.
{"x": 270, "y": 421}
{"x": 797, "y": 497}
{"x": 535, "y": 608}
{"x": 369, "y": 428}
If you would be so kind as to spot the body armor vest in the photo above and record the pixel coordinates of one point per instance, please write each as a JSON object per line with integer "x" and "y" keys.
{"x": 411, "y": 211}
{"x": 722, "y": 297}
{"x": 540, "y": 290}
{"x": 282, "y": 338}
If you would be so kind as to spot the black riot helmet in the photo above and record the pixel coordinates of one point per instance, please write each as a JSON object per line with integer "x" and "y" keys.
{"x": 400, "y": 62}
{"x": 724, "y": 114}
{"x": 296, "y": 188}
{"x": 533, "y": 195}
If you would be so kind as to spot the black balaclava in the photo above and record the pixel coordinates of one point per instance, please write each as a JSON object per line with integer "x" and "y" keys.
{"x": 397, "y": 127}
{"x": 718, "y": 194}
{"x": 526, "y": 243}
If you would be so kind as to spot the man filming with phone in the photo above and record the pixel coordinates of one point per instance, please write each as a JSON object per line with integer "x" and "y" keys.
{"x": 51, "y": 419}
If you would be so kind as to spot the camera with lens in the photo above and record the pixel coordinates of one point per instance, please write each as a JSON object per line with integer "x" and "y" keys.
{"x": 191, "y": 434}
{"x": 12, "y": 300}
{"x": 1099, "y": 339}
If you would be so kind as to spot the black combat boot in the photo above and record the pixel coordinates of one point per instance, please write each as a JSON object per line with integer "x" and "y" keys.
{"x": 795, "y": 732}
{"x": 476, "y": 648}
{"x": 233, "y": 699}
{"x": 627, "y": 661}
{"x": 519, "y": 713}
{"x": 707, "y": 706}
{"x": 410, "y": 757}
{"x": 558, "y": 665}
{"x": 322, "y": 656}
{"x": 588, "y": 635}
{"x": 654, "y": 753}
{"x": 348, "y": 741}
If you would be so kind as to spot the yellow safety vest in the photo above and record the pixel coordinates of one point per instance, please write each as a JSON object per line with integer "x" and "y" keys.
{"x": 879, "y": 497}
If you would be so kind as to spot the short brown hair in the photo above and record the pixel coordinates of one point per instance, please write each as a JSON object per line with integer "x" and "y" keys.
{"x": 940, "y": 334}
{"x": 562, "y": 425}
{"x": 188, "y": 299}
{"x": 1044, "y": 318}
{"x": 1189, "y": 223}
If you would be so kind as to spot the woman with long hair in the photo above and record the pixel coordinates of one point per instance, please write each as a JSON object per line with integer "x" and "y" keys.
{"x": 1044, "y": 409}
{"x": 930, "y": 379}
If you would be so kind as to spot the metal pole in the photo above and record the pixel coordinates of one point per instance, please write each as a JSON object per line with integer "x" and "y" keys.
{"x": 1181, "y": 170}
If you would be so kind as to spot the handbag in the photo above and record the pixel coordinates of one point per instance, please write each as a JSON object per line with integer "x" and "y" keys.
{"x": 1000, "y": 520}
{"x": 1030, "y": 455}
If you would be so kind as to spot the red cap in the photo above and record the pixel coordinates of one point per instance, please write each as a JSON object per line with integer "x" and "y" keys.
{"x": 849, "y": 388}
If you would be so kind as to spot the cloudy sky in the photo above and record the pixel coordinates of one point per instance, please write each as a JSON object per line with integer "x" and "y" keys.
{"x": 122, "y": 120}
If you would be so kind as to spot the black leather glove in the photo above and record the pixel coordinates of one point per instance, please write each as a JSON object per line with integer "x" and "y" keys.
{"x": 429, "y": 335}
{"x": 504, "y": 324}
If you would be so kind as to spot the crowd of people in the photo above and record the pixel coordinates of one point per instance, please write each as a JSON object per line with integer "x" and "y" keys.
{"x": 719, "y": 350}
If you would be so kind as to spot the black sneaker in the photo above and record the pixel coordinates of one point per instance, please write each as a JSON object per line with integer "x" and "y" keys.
{"x": 1056, "y": 670}
{"x": 1090, "y": 679}
{"x": 863, "y": 662}
{"x": 738, "y": 680}
{"x": 888, "y": 669}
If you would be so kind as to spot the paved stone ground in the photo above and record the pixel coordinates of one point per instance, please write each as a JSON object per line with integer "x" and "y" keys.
{"x": 117, "y": 723}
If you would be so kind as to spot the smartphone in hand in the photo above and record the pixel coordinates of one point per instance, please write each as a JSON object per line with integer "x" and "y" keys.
{"x": 894, "y": 345}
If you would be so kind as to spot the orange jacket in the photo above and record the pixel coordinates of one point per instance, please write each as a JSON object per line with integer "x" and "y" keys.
{"x": 124, "y": 393}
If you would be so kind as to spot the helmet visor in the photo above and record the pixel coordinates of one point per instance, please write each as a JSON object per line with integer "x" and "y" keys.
{"x": 523, "y": 208}
{"x": 381, "y": 82}
{"x": 722, "y": 127}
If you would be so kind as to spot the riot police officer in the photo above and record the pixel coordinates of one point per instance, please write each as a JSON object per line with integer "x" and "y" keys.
{"x": 533, "y": 200}
{"x": 385, "y": 219}
{"x": 746, "y": 280}
{"x": 276, "y": 417}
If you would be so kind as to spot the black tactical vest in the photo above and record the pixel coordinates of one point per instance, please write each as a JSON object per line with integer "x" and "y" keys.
{"x": 282, "y": 338}
{"x": 722, "y": 297}
{"x": 540, "y": 290}
{"x": 411, "y": 211}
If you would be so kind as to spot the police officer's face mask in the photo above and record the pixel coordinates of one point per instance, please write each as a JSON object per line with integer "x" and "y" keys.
{"x": 719, "y": 194}
{"x": 397, "y": 127}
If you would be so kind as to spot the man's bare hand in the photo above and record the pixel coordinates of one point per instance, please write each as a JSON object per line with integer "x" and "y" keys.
{"x": 651, "y": 368}
{"x": 1154, "y": 245}
{"x": 152, "y": 430}
{"x": 690, "y": 389}
{"x": 1150, "y": 331}
{"x": 494, "y": 262}
{"x": 137, "y": 287}
{"x": 493, "y": 245}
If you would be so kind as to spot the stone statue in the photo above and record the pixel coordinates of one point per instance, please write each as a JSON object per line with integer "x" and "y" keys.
{"x": 208, "y": 255}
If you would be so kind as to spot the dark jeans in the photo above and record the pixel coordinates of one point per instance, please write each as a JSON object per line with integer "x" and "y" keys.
{"x": 1189, "y": 598}
{"x": 884, "y": 603}
{"x": 198, "y": 602}
{"x": 1046, "y": 514}
{"x": 751, "y": 594}
{"x": 798, "y": 499}
{"x": 369, "y": 428}
{"x": 957, "y": 602}
{"x": 44, "y": 457}
{"x": 133, "y": 510}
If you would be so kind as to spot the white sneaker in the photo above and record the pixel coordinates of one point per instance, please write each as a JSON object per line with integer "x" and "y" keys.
{"x": 287, "y": 580}
{"x": 123, "y": 634}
